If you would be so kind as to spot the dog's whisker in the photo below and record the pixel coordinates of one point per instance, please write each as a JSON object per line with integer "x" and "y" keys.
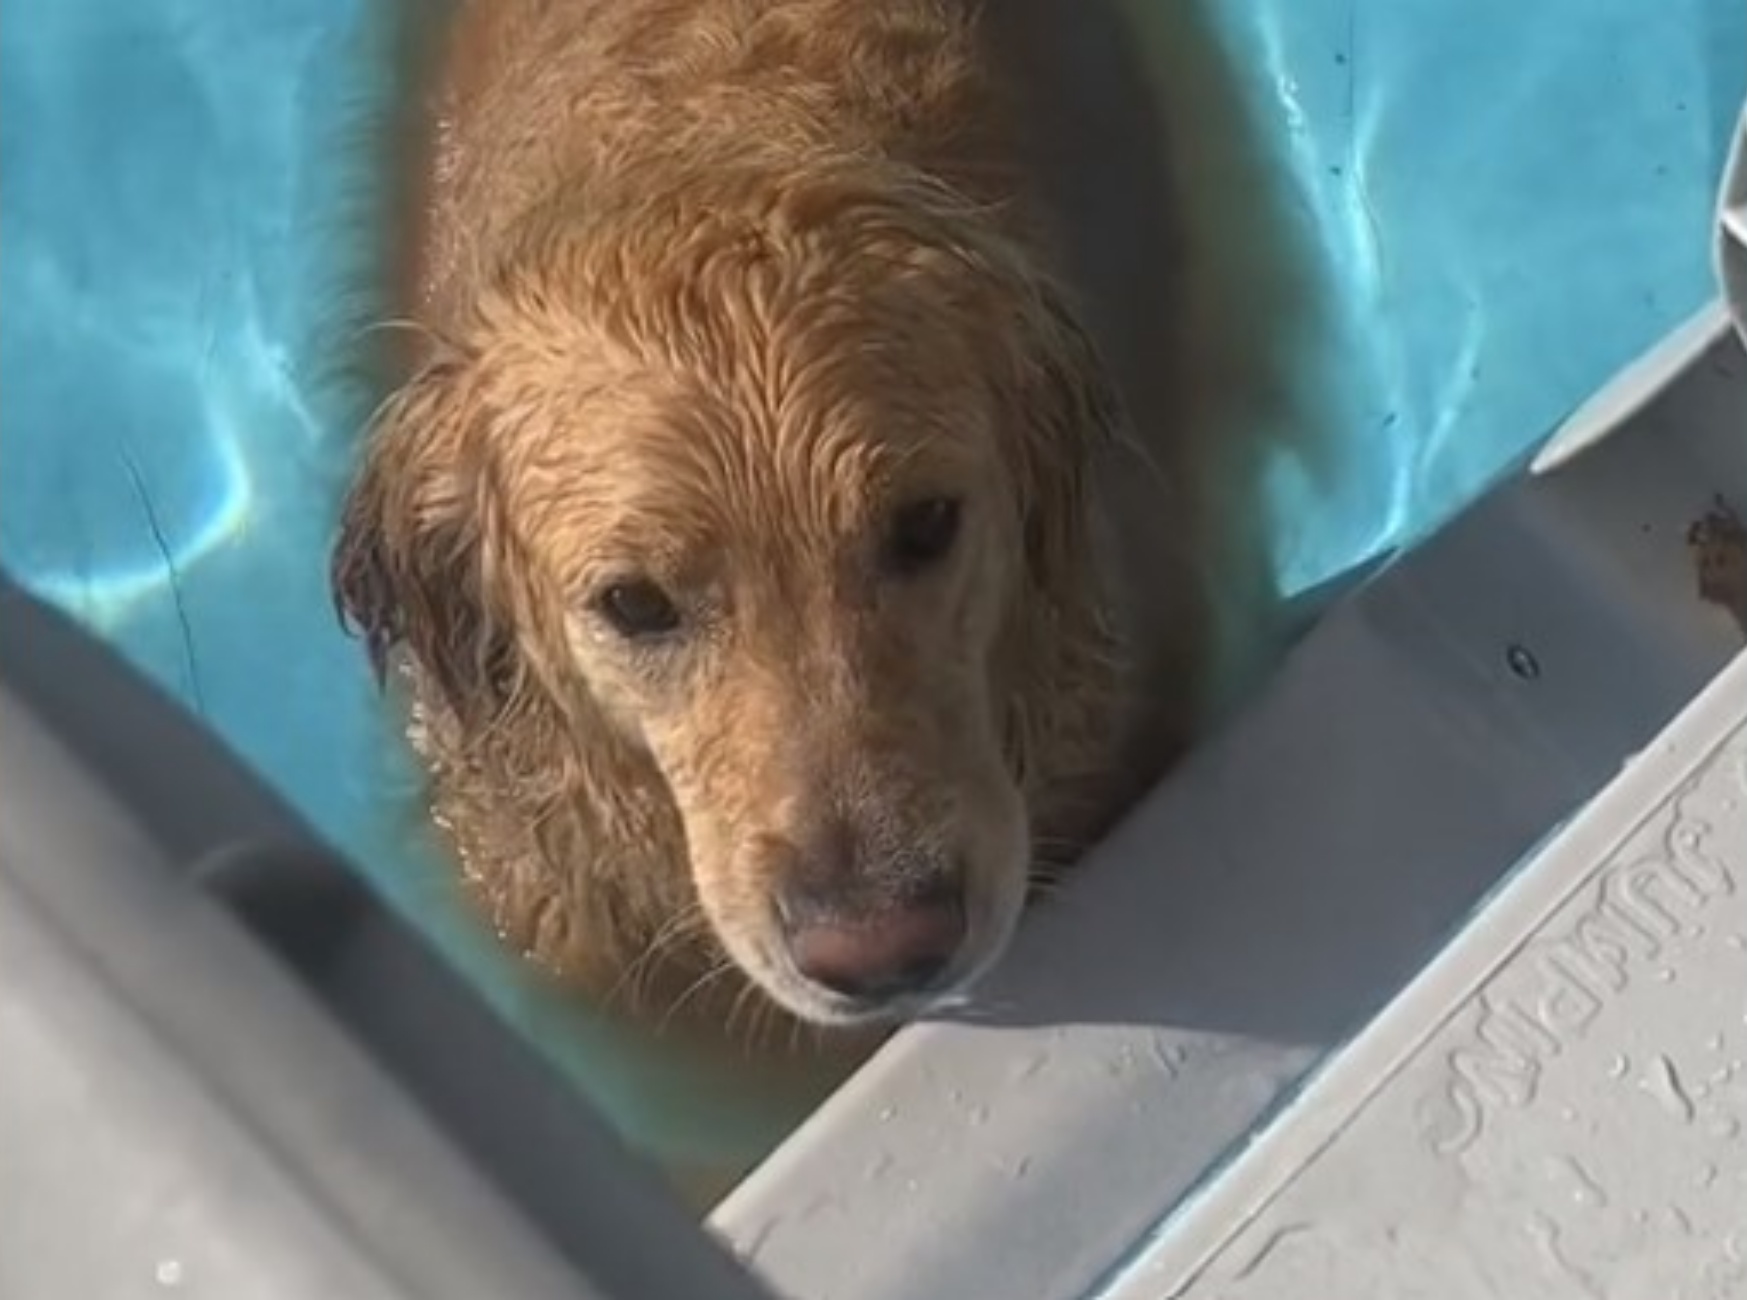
{"x": 401, "y": 324}
{"x": 734, "y": 1009}
{"x": 762, "y": 1015}
{"x": 697, "y": 986}
{"x": 682, "y": 925}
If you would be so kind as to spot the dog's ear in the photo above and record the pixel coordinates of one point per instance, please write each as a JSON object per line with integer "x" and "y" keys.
{"x": 1066, "y": 416}
{"x": 413, "y": 563}
{"x": 1063, "y": 417}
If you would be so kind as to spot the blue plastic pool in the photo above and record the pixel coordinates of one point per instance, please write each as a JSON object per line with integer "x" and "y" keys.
{"x": 1489, "y": 205}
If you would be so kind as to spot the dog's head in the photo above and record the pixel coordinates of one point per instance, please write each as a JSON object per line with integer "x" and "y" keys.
{"x": 791, "y": 499}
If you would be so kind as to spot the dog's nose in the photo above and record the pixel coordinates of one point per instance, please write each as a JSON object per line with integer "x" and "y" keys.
{"x": 874, "y": 956}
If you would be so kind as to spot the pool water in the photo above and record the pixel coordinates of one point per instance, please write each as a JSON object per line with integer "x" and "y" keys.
{"x": 1427, "y": 227}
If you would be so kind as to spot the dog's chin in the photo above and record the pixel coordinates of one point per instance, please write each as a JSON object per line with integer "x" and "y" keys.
{"x": 815, "y": 1004}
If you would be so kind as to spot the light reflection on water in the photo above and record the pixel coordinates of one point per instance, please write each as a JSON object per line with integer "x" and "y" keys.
{"x": 1497, "y": 203}
{"x": 1507, "y": 203}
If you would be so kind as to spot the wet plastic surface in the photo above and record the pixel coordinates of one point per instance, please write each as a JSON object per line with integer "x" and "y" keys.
{"x": 1556, "y": 1107}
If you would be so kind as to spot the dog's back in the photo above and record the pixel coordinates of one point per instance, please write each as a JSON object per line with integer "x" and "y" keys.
{"x": 544, "y": 102}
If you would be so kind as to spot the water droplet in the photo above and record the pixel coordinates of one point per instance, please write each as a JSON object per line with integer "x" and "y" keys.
{"x": 1268, "y": 1247}
{"x": 1679, "y": 1220}
{"x": 1546, "y": 1234}
{"x": 1663, "y": 1084}
{"x": 1021, "y": 1168}
{"x": 979, "y": 1114}
{"x": 1665, "y": 975}
{"x": 888, "y": 1114}
{"x": 1736, "y": 941}
{"x": 1715, "y": 1042}
{"x": 1522, "y": 662}
{"x": 1619, "y": 1067}
{"x": 1584, "y": 1189}
{"x": 1166, "y": 1062}
{"x": 168, "y": 1273}
{"x": 1707, "y": 1175}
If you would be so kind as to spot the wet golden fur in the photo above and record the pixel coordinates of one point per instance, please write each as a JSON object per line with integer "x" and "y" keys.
{"x": 707, "y": 288}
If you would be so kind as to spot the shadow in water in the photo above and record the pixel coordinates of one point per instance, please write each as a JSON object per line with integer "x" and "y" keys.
{"x": 1254, "y": 309}
{"x": 1192, "y": 253}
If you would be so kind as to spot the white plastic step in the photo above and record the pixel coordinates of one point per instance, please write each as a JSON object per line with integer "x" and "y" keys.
{"x": 1557, "y": 1107}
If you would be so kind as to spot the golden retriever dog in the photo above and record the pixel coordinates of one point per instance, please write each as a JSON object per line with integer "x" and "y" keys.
{"x": 778, "y": 583}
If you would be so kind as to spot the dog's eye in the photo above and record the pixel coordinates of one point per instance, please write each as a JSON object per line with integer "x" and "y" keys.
{"x": 921, "y": 534}
{"x": 637, "y": 609}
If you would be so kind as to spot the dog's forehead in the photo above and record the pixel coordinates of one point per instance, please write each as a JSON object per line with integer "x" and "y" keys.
{"x": 688, "y": 478}
{"x": 843, "y": 451}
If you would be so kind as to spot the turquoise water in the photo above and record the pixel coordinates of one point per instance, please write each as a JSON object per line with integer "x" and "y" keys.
{"x": 1489, "y": 205}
